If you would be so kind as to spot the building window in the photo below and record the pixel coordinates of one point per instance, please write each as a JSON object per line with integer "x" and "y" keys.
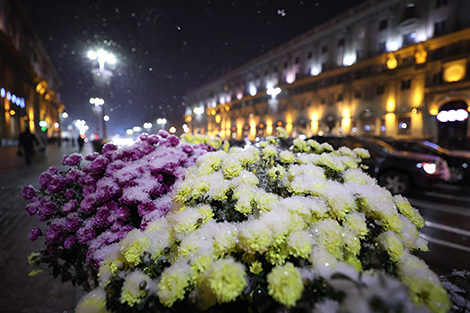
{"x": 341, "y": 42}
{"x": 340, "y": 97}
{"x": 297, "y": 60}
{"x": 409, "y": 38}
{"x": 309, "y": 55}
{"x": 324, "y": 66}
{"x": 380, "y": 89}
{"x": 440, "y": 3}
{"x": 404, "y": 125}
{"x": 439, "y": 28}
{"x": 275, "y": 69}
{"x": 285, "y": 64}
{"x": 381, "y": 47}
{"x": 383, "y": 24}
{"x": 324, "y": 49}
{"x": 357, "y": 94}
{"x": 437, "y": 79}
{"x": 323, "y": 100}
{"x": 405, "y": 84}
{"x": 359, "y": 54}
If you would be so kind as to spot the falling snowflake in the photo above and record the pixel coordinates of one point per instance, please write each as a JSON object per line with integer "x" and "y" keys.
{"x": 281, "y": 12}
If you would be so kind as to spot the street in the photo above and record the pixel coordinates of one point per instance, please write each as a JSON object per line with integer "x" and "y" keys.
{"x": 445, "y": 209}
{"x": 18, "y": 291}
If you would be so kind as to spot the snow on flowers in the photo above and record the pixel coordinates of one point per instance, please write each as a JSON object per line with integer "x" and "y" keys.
{"x": 254, "y": 229}
{"x": 94, "y": 203}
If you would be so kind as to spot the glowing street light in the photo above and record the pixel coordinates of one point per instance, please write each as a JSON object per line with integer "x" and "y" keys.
{"x": 106, "y": 118}
{"x": 102, "y": 57}
{"x": 147, "y": 125}
{"x": 172, "y": 129}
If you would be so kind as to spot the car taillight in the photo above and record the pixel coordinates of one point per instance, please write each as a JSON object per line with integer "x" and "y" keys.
{"x": 428, "y": 167}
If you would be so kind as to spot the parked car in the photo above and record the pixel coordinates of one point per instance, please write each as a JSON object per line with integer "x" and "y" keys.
{"x": 459, "y": 163}
{"x": 398, "y": 171}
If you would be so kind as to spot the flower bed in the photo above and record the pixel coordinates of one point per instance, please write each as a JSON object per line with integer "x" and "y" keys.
{"x": 244, "y": 230}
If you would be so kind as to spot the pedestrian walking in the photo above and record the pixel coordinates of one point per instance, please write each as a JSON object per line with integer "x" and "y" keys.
{"x": 81, "y": 142}
{"x": 26, "y": 144}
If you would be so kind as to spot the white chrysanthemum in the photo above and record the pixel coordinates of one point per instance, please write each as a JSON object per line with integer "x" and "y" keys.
{"x": 173, "y": 283}
{"x": 265, "y": 201}
{"x": 133, "y": 246}
{"x": 299, "y": 244}
{"x": 244, "y": 195}
{"x": 377, "y": 203}
{"x": 231, "y": 166}
{"x": 323, "y": 262}
{"x": 361, "y": 153}
{"x": 254, "y": 236}
{"x": 92, "y": 302}
{"x": 276, "y": 172}
{"x": 301, "y": 145}
{"x": 307, "y": 158}
{"x": 329, "y": 233}
{"x": 270, "y": 150}
{"x": 159, "y": 239}
{"x": 356, "y": 223}
{"x": 279, "y": 222}
{"x": 410, "y": 236}
{"x": 218, "y": 186}
{"x": 188, "y": 220}
{"x": 225, "y": 238}
{"x": 136, "y": 286}
{"x": 424, "y": 284}
{"x": 307, "y": 185}
{"x": 331, "y": 161}
{"x": 197, "y": 242}
{"x": 353, "y": 175}
{"x": 310, "y": 209}
{"x": 245, "y": 177}
{"x": 305, "y": 170}
{"x": 286, "y": 156}
{"x": 209, "y": 162}
{"x": 339, "y": 198}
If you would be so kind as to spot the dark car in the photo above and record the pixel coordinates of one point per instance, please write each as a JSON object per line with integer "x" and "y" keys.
{"x": 459, "y": 163}
{"x": 395, "y": 170}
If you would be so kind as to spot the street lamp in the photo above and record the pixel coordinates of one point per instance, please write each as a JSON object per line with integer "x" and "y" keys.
{"x": 102, "y": 76}
{"x": 98, "y": 107}
{"x": 161, "y": 122}
{"x": 102, "y": 57}
{"x": 148, "y": 126}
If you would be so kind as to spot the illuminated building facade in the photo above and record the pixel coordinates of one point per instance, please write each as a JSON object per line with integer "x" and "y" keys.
{"x": 396, "y": 68}
{"x": 28, "y": 80}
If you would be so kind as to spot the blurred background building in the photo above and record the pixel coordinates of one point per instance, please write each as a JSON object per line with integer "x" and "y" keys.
{"x": 28, "y": 80}
{"x": 397, "y": 68}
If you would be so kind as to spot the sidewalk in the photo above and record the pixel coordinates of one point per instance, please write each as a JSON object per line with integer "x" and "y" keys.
{"x": 18, "y": 291}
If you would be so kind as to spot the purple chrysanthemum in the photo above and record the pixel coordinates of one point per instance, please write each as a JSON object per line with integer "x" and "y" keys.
{"x": 72, "y": 160}
{"x": 29, "y": 193}
{"x": 70, "y": 241}
{"x": 35, "y": 233}
{"x": 69, "y": 206}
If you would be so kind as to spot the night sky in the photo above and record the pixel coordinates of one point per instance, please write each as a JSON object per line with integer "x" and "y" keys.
{"x": 163, "y": 48}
